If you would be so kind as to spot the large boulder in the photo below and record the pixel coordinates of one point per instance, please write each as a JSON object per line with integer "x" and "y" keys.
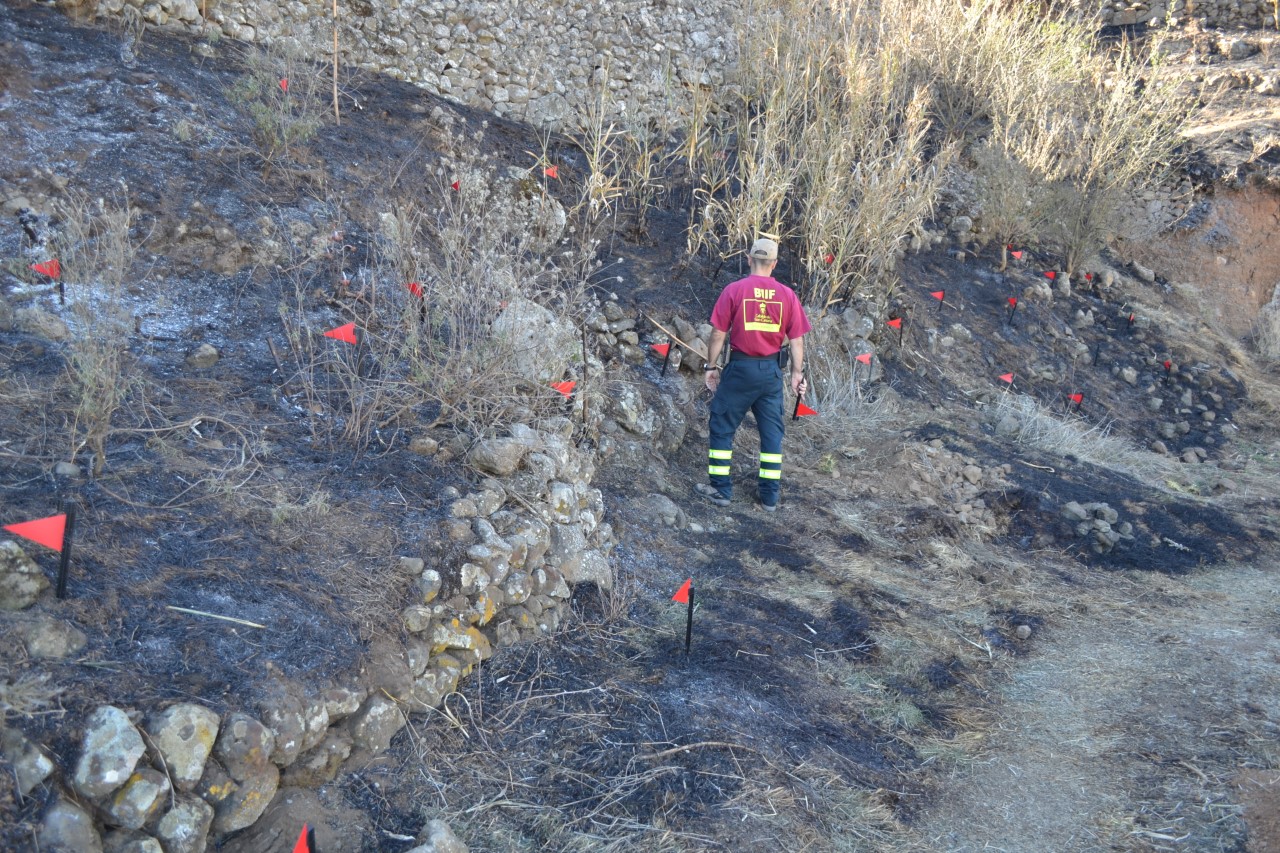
{"x": 243, "y": 746}
{"x": 110, "y": 751}
{"x": 185, "y": 827}
{"x": 21, "y": 580}
{"x": 51, "y": 639}
{"x": 376, "y": 723}
{"x": 29, "y": 763}
{"x": 67, "y": 828}
{"x": 498, "y": 456}
{"x": 248, "y": 801}
{"x": 539, "y": 344}
{"x": 141, "y": 799}
{"x": 184, "y": 734}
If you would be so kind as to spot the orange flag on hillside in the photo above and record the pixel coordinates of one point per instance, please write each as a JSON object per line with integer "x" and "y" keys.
{"x": 48, "y": 532}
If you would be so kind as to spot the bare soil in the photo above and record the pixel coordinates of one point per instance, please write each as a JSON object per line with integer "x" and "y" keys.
{"x": 857, "y": 678}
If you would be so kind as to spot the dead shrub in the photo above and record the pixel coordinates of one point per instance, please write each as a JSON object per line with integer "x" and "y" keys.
{"x": 97, "y": 251}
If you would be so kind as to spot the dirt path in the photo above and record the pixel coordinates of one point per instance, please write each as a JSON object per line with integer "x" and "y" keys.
{"x": 1131, "y": 728}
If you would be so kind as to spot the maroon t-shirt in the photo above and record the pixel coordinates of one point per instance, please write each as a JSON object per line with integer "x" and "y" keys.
{"x": 760, "y": 315}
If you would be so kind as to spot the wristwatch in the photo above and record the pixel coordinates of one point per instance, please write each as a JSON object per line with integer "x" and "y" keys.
{"x": 706, "y": 366}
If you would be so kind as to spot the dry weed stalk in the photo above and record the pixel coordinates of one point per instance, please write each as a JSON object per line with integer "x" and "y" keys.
{"x": 98, "y": 252}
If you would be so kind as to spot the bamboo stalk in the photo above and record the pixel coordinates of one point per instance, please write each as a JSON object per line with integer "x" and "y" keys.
{"x": 214, "y": 616}
{"x": 337, "y": 117}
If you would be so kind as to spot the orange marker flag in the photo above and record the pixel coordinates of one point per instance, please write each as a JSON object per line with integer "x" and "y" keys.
{"x": 802, "y": 410}
{"x": 51, "y": 268}
{"x": 304, "y": 844}
{"x": 661, "y": 349}
{"x": 865, "y": 358}
{"x": 1007, "y": 377}
{"x": 46, "y": 531}
{"x": 456, "y": 186}
{"x": 284, "y": 84}
{"x": 682, "y": 594}
{"x": 346, "y": 334}
{"x": 415, "y": 288}
{"x": 1050, "y": 274}
{"x": 829, "y": 258}
{"x": 1017, "y": 256}
{"x": 895, "y": 323}
{"x": 552, "y": 171}
{"x": 1077, "y": 398}
{"x": 565, "y": 388}
{"x": 939, "y": 295}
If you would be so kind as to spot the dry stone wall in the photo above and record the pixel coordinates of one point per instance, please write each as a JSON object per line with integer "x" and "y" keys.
{"x": 1210, "y": 13}
{"x": 540, "y": 62}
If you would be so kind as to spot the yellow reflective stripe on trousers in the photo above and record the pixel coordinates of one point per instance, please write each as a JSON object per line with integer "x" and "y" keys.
{"x": 722, "y": 454}
{"x": 770, "y": 474}
{"x": 776, "y": 458}
{"x": 720, "y": 470}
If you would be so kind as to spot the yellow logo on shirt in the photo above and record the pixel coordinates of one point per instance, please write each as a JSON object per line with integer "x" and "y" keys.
{"x": 762, "y": 314}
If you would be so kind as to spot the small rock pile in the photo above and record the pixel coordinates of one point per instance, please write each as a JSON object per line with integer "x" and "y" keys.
{"x": 1097, "y": 523}
{"x": 956, "y": 484}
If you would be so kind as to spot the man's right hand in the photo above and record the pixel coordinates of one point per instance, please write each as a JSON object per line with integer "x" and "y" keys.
{"x": 711, "y": 378}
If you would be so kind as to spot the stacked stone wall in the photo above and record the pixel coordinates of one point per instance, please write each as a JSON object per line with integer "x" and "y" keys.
{"x": 539, "y": 62}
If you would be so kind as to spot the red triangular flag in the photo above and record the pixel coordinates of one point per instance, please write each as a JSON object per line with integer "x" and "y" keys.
{"x": 1168, "y": 365}
{"x": 415, "y": 288}
{"x": 865, "y": 358}
{"x": 939, "y": 295}
{"x": 1132, "y": 317}
{"x": 346, "y": 334}
{"x": 456, "y": 186}
{"x": 1050, "y": 274}
{"x": 1077, "y": 398}
{"x": 661, "y": 349}
{"x": 284, "y": 85}
{"x": 1013, "y": 301}
{"x": 51, "y": 268}
{"x": 829, "y": 258}
{"x": 302, "y": 846}
{"x": 552, "y": 171}
{"x": 802, "y": 410}
{"x": 565, "y": 388}
{"x": 1017, "y": 256}
{"x": 1088, "y": 276}
{"x": 682, "y": 594}
{"x": 47, "y": 531}
{"x": 1007, "y": 377}
{"x": 895, "y": 323}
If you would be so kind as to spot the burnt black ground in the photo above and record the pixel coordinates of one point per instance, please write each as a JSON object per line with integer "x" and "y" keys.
{"x": 618, "y": 691}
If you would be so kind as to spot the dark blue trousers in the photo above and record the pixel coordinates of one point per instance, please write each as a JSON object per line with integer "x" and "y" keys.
{"x": 755, "y": 385}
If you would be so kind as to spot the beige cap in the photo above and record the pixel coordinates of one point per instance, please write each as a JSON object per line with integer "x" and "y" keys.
{"x": 764, "y": 249}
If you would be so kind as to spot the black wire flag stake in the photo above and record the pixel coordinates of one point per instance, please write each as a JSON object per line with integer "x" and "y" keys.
{"x": 684, "y": 595}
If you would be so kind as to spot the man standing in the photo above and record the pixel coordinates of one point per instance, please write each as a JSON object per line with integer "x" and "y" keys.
{"x": 758, "y": 315}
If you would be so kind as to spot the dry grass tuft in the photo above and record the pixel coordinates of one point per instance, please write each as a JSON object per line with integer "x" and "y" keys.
{"x": 1089, "y": 442}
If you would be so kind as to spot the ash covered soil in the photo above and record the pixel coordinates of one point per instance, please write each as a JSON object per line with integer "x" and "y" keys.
{"x": 860, "y": 660}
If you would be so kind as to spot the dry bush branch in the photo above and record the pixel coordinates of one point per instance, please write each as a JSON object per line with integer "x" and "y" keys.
{"x": 98, "y": 252}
